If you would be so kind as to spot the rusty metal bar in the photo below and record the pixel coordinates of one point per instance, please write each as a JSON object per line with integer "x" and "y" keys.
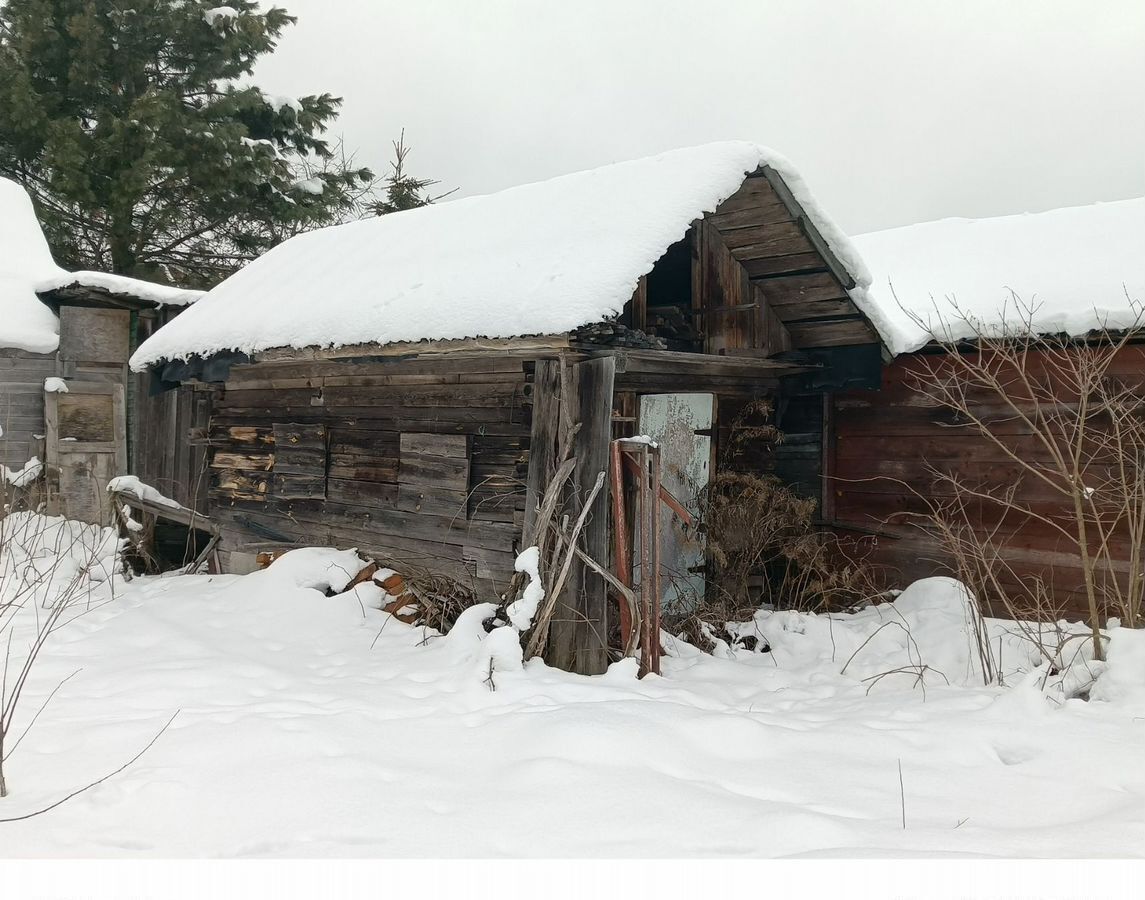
{"x": 622, "y": 546}
{"x": 656, "y": 490}
{"x": 666, "y": 496}
{"x": 646, "y": 503}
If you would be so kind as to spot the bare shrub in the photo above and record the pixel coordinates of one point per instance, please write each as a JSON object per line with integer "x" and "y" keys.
{"x": 1067, "y": 419}
{"x": 46, "y": 570}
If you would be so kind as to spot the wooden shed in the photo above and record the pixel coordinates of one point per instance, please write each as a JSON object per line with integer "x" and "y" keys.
{"x": 72, "y": 415}
{"x": 1073, "y": 273}
{"x": 398, "y": 385}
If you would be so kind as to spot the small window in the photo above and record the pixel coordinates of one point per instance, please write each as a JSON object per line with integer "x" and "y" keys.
{"x": 300, "y": 462}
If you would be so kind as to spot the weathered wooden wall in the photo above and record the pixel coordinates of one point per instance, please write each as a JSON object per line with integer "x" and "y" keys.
{"x": 880, "y": 447}
{"x": 22, "y": 377}
{"x": 168, "y": 431}
{"x": 420, "y": 463}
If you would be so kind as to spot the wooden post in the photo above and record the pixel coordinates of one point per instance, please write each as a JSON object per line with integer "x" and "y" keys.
{"x": 579, "y": 636}
{"x": 640, "y": 304}
{"x": 543, "y": 439}
{"x": 827, "y": 461}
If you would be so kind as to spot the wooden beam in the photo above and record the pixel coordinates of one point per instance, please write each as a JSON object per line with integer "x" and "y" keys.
{"x": 579, "y": 630}
{"x": 179, "y": 514}
{"x": 640, "y": 304}
{"x": 679, "y": 362}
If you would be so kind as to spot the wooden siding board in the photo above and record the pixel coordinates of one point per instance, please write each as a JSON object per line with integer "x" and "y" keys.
{"x": 399, "y": 475}
{"x": 885, "y": 444}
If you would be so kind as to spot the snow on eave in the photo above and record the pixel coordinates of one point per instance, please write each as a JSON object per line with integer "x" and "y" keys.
{"x": 542, "y": 258}
{"x": 123, "y": 286}
{"x": 1076, "y": 270}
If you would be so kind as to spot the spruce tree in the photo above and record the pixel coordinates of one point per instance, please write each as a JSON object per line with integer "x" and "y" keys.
{"x": 135, "y": 128}
{"x": 402, "y": 190}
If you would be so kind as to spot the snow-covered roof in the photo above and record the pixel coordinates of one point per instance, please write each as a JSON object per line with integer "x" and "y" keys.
{"x": 25, "y": 260}
{"x": 1077, "y": 267}
{"x": 541, "y": 258}
{"x": 148, "y": 291}
{"x": 27, "y": 268}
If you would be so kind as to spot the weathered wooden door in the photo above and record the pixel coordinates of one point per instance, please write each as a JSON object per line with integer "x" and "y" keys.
{"x": 681, "y": 424}
{"x": 85, "y": 443}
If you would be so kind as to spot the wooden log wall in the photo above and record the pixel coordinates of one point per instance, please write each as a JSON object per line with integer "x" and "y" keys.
{"x": 22, "y": 377}
{"x": 425, "y": 460}
{"x": 880, "y": 446}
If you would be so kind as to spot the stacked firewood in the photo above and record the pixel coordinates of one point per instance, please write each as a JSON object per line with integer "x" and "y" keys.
{"x": 674, "y": 327}
{"x": 617, "y": 334}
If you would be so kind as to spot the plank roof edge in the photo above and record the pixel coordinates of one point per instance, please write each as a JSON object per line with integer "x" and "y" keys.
{"x": 808, "y": 227}
{"x": 834, "y": 265}
{"x": 76, "y": 294}
{"x": 409, "y": 349}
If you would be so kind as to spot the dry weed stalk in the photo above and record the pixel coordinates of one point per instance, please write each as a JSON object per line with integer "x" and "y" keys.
{"x": 755, "y": 526}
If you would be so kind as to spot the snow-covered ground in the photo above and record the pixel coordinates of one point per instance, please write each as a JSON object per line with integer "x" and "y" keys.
{"x": 319, "y": 726}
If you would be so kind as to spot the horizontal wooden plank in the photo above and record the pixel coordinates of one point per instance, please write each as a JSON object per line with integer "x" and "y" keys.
{"x": 397, "y": 417}
{"x": 754, "y": 193}
{"x": 290, "y": 486}
{"x": 257, "y": 462}
{"x": 242, "y": 434}
{"x": 797, "y": 290}
{"x": 367, "y": 470}
{"x": 444, "y": 472}
{"x": 679, "y": 363}
{"x": 362, "y": 493}
{"x": 235, "y": 483}
{"x": 832, "y": 333}
{"x": 771, "y": 247}
{"x": 790, "y": 264}
{"x": 389, "y": 538}
{"x": 434, "y": 444}
{"x": 291, "y": 438}
{"x": 764, "y": 213}
{"x": 760, "y": 236}
{"x": 432, "y": 501}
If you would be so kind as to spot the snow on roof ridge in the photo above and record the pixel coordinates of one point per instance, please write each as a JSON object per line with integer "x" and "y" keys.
{"x": 1079, "y": 266}
{"x": 538, "y": 258}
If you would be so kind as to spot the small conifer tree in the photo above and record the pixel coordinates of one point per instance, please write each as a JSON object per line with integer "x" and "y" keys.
{"x": 145, "y": 148}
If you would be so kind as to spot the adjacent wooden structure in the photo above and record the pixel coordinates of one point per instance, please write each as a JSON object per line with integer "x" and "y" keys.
{"x": 106, "y": 423}
{"x": 434, "y": 454}
{"x": 880, "y": 446}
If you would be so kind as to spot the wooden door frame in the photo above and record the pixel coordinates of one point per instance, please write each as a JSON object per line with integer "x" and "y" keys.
{"x": 52, "y": 433}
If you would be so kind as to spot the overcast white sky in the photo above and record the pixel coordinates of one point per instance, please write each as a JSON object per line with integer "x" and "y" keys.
{"x": 897, "y": 111}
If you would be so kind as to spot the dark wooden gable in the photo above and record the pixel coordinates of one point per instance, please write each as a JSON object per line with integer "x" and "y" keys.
{"x": 788, "y": 263}
{"x": 753, "y": 278}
